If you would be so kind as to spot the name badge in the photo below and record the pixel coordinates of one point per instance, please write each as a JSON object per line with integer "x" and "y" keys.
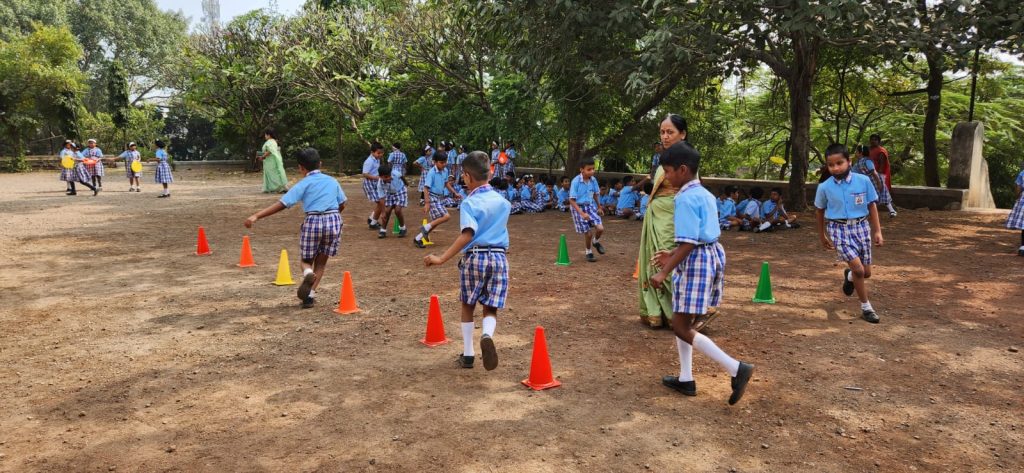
{"x": 858, "y": 199}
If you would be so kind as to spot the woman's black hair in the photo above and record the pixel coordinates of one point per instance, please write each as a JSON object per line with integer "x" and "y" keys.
{"x": 160, "y": 143}
{"x": 679, "y": 122}
{"x": 270, "y": 131}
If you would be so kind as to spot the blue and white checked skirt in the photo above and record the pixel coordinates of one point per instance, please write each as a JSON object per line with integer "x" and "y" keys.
{"x": 483, "y": 278}
{"x": 163, "y": 173}
{"x": 1016, "y": 219}
{"x": 76, "y": 174}
{"x": 698, "y": 282}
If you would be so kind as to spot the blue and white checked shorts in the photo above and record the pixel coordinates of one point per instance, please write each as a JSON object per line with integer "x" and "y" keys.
{"x": 698, "y": 282}
{"x": 851, "y": 241}
{"x": 483, "y": 278}
{"x": 1016, "y": 219}
{"x": 320, "y": 235}
{"x": 371, "y": 191}
{"x": 397, "y": 199}
{"x": 583, "y": 226}
{"x": 437, "y": 209}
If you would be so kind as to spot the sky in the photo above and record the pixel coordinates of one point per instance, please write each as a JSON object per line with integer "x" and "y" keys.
{"x": 228, "y": 8}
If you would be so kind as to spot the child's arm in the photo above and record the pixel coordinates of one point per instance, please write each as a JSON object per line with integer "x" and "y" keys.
{"x": 273, "y": 209}
{"x": 669, "y": 261}
{"x": 426, "y": 200}
{"x": 876, "y": 225}
{"x": 820, "y": 217}
{"x": 464, "y": 238}
{"x": 572, "y": 203}
{"x": 451, "y": 189}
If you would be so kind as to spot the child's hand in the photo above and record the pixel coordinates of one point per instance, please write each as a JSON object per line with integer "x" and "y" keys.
{"x": 877, "y": 238}
{"x": 826, "y": 243}
{"x": 657, "y": 280}
{"x": 661, "y": 258}
{"x": 600, "y": 212}
{"x": 249, "y": 222}
{"x": 431, "y": 260}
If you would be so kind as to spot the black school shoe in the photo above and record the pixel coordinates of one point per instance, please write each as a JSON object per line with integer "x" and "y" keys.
{"x": 490, "y": 354}
{"x": 464, "y": 361}
{"x": 847, "y": 283}
{"x": 308, "y": 303}
{"x": 306, "y": 287}
{"x": 688, "y": 388}
{"x": 382, "y": 234}
{"x": 418, "y": 243}
{"x": 739, "y": 382}
{"x": 591, "y": 258}
{"x": 401, "y": 232}
{"x": 870, "y": 316}
{"x": 599, "y": 247}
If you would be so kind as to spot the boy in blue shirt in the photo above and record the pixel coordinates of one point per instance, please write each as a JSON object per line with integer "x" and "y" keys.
{"x": 323, "y": 200}
{"x": 628, "y": 199}
{"x": 396, "y": 197}
{"x": 750, "y": 211}
{"x": 646, "y": 199}
{"x": 436, "y": 186}
{"x": 483, "y": 270}
{"x": 727, "y": 208}
{"x": 848, "y": 201}
{"x": 697, "y": 266}
{"x": 585, "y": 209}
{"x": 562, "y": 195}
{"x": 370, "y": 178}
{"x": 773, "y": 212}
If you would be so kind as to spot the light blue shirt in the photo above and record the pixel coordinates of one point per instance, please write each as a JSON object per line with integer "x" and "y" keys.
{"x": 317, "y": 191}
{"x": 696, "y": 214}
{"x": 752, "y": 208}
{"x": 726, "y": 208}
{"x": 563, "y": 196}
{"x": 397, "y": 159}
{"x": 486, "y": 213}
{"x": 1020, "y": 179}
{"x": 94, "y": 153}
{"x": 494, "y": 155}
{"x": 643, "y": 204}
{"x": 513, "y": 194}
{"x": 768, "y": 208}
{"x": 436, "y": 181}
{"x": 161, "y": 154}
{"x": 371, "y": 165}
{"x": 452, "y": 155}
{"x": 511, "y": 153}
{"x": 584, "y": 192}
{"x": 542, "y": 193}
{"x": 525, "y": 194}
{"x": 396, "y": 186}
{"x": 847, "y": 198}
{"x": 627, "y": 198}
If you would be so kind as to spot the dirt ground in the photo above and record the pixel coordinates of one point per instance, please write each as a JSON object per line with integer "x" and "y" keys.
{"x": 120, "y": 350}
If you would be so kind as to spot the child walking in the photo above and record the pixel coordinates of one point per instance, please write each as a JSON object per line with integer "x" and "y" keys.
{"x": 436, "y": 187}
{"x": 131, "y": 155}
{"x": 396, "y": 197}
{"x": 163, "y": 168}
{"x": 697, "y": 266}
{"x": 370, "y": 178}
{"x": 848, "y": 202}
{"x": 586, "y": 213}
{"x": 323, "y": 200}
{"x": 94, "y": 158}
{"x": 1016, "y": 219}
{"x": 483, "y": 269}
{"x": 77, "y": 173}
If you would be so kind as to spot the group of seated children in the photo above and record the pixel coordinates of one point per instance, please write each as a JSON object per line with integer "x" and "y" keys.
{"x": 626, "y": 198}
{"x": 753, "y": 214}
{"x": 529, "y": 194}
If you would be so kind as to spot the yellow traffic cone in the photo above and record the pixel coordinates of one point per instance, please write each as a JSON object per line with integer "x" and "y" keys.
{"x": 284, "y": 272}
{"x": 426, "y": 242}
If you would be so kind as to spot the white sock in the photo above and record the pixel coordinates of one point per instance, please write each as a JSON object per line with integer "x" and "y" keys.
{"x": 402, "y": 227}
{"x": 306, "y": 271}
{"x": 467, "y": 339}
{"x": 866, "y": 306}
{"x": 597, "y": 240}
{"x": 589, "y": 251}
{"x": 488, "y": 325}
{"x": 427, "y": 227}
{"x": 312, "y": 293}
{"x": 849, "y": 276}
{"x": 708, "y": 348}
{"x": 685, "y": 360}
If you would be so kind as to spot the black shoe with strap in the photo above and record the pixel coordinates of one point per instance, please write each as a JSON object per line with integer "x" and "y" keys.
{"x": 688, "y": 388}
{"x": 847, "y": 284}
{"x": 739, "y": 382}
{"x": 308, "y": 303}
{"x": 870, "y": 315}
{"x": 465, "y": 361}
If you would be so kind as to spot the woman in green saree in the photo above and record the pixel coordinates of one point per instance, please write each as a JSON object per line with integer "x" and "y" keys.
{"x": 274, "y": 178}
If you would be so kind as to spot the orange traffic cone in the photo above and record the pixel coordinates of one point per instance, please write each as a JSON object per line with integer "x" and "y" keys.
{"x": 347, "y": 303}
{"x": 435, "y": 326}
{"x": 245, "y": 259}
{"x": 540, "y": 367}
{"x": 636, "y": 272}
{"x": 202, "y": 247}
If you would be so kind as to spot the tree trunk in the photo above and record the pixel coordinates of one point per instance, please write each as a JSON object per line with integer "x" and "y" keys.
{"x": 576, "y": 144}
{"x": 931, "y": 118}
{"x": 800, "y": 120}
{"x": 340, "y": 128}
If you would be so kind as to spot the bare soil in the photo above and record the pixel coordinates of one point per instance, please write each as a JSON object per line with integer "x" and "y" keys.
{"x": 120, "y": 350}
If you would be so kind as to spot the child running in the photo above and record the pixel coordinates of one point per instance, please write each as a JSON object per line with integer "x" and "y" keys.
{"x": 483, "y": 270}
{"x": 436, "y": 187}
{"x": 94, "y": 163}
{"x": 77, "y": 173}
{"x": 1016, "y": 219}
{"x": 848, "y": 202}
{"x": 163, "y": 168}
{"x": 322, "y": 199}
{"x": 586, "y": 213}
{"x": 131, "y": 155}
{"x": 396, "y": 197}
{"x": 370, "y": 178}
{"x": 697, "y": 266}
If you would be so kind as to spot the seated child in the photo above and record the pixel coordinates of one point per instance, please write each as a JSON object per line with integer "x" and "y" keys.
{"x": 628, "y": 200}
{"x": 528, "y": 196}
{"x": 562, "y": 195}
{"x": 751, "y": 210}
{"x": 645, "y": 199}
{"x": 727, "y": 208}
{"x": 614, "y": 187}
{"x": 773, "y": 213}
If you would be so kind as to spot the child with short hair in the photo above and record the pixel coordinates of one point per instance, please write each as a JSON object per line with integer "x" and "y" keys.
{"x": 163, "y": 168}
{"x": 483, "y": 269}
{"x": 848, "y": 201}
{"x": 562, "y": 195}
{"x": 370, "y": 177}
{"x": 628, "y": 200}
{"x": 323, "y": 200}
{"x": 131, "y": 155}
{"x": 697, "y": 266}
{"x": 1015, "y": 221}
{"x": 94, "y": 162}
{"x": 396, "y": 197}
{"x": 645, "y": 198}
{"x": 421, "y": 163}
{"x": 773, "y": 212}
{"x": 586, "y": 211}
{"x": 727, "y": 208}
{"x": 612, "y": 199}
{"x": 751, "y": 210}
{"x": 436, "y": 187}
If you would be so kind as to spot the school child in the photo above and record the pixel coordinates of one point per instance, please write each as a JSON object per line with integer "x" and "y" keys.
{"x": 773, "y": 212}
{"x": 586, "y": 211}
{"x": 645, "y": 199}
{"x": 436, "y": 187}
{"x": 562, "y": 195}
{"x": 549, "y": 186}
{"x": 483, "y": 269}
{"x": 697, "y": 267}
{"x": 396, "y": 198}
{"x": 323, "y": 200}
{"x": 529, "y": 196}
{"x": 94, "y": 156}
{"x": 848, "y": 202}
{"x": 612, "y": 196}
{"x": 727, "y": 208}
{"x": 456, "y": 164}
{"x": 449, "y": 148}
{"x": 1015, "y": 221}
{"x": 880, "y": 159}
{"x": 397, "y": 159}
{"x": 78, "y": 173}
{"x": 371, "y": 175}
{"x": 422, "y": 163}
{"x": 130, "y": 156}
{"x": 511, "y": 155}
{"x": 626, "y": 205}
{"x": 512, "y": 193}
{"x": 751, "y": 210}
{"x": 864, "y": 165}
{"x": 541, "y": 196}
{"x": 163, "y": 168}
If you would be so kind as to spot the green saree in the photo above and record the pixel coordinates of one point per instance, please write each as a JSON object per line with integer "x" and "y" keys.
{"x": 658, "y": 234}
{"x": 274, "y": 177}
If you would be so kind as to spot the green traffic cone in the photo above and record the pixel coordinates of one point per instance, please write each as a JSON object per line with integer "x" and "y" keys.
{"x": 563, "y": 252}
{"x": 764, "y": 286}
{"x": 397, "y": 229}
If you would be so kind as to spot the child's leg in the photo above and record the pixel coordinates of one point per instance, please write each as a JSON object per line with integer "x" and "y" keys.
{"x": 99, "y": 180}
{"x": 444, "y": 218}
{"x": 588, "y": 240}
{"x": 71, "y": 186}
{"x": 400, "y": 217}
{"x": 378, "y": 210}
{"x": 682, "y": 326}
{"x": 467, "y": 329}
{"x": 858, "y": 273}
{"x": 598, "y": 231}
{"x": 319, "y": 266}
